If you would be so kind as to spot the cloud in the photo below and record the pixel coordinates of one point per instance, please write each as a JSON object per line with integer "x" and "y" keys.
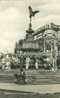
{"x": 11, "y": 27}
{"x": 38, "y": 2}
{"x": 51, "y": 8}
{"x": 14, "y": 19}
{"x": 40, "y": 21}
{"x": 10, "y": 3}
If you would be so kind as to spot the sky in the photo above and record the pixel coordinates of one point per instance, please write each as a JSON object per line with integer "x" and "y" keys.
{"x": 14, "y": 19}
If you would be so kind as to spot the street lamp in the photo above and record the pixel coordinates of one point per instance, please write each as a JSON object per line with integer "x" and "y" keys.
{"x": 44, "y": 43}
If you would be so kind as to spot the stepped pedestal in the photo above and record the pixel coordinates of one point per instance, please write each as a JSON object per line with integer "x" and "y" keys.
{"x": 42, "y": 77}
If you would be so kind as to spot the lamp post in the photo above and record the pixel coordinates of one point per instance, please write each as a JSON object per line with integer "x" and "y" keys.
{"x": 54, "y": 54}
{"x": 44, "y": 43}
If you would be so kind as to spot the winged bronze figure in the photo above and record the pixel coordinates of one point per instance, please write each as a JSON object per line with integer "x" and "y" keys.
{"x": 31, "y": 12}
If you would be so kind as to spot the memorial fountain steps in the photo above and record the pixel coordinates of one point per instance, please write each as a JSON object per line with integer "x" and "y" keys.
{"x": 43, "y": 77}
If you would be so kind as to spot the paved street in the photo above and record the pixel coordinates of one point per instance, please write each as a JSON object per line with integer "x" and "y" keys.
{"x": 52, "y": 88}
{"x": 8, "y": 90}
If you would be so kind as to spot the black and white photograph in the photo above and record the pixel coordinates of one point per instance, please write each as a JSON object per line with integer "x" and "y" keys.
{"x": 29, "y": 48}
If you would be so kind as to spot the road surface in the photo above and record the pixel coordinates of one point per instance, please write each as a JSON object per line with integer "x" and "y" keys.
{"x": 50, "y": 88}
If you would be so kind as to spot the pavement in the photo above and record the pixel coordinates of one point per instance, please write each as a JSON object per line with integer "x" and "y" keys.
{"x": 41, "y": 89}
